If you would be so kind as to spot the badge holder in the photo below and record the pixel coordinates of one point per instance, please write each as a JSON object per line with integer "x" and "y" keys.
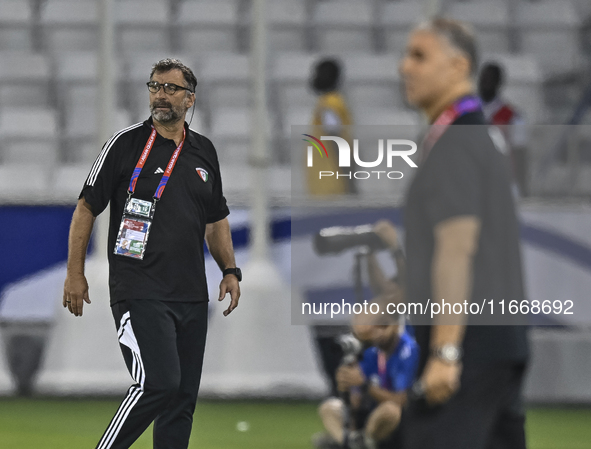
{"x": 136, "y": 222}
{"x": 134, "y": 229}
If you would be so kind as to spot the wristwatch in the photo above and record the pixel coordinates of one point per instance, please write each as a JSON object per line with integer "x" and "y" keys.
{"x": 235, "y": 271}
{"x": 448, "y": 353}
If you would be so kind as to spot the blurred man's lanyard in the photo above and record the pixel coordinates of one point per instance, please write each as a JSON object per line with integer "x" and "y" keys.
{"x": 382, "y": 370}
{"x": 463, "y": 106}
{"x": 138, "y": 214}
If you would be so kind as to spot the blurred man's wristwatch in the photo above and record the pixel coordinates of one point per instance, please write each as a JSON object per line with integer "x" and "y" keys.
{"x": 235, "y": 271}
{"x": 448, "y": 353}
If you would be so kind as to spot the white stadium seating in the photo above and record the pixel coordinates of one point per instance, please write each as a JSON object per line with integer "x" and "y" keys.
{"x": 208, "y": 25}
{"x": 49, "y": 60}
{"x": 489, "y": 19}
{"x": 70, "y": 25}
{"x": 24, "y": 79}
{"x": 344, "y": 25}
{"x": 15, "y": 29}
{"x": 143, "y": 25}
{"x": 288, "y": 25}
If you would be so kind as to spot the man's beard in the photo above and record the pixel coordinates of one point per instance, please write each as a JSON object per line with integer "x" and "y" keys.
{"x": 173, "y": 115}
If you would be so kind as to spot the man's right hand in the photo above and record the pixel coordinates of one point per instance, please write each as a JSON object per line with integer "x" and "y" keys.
{"x": 75, "y": 293}
{"x": 387, "y": 232}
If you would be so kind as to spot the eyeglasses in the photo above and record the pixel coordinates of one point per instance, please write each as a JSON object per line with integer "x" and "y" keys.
{"x": 169, "y": 88}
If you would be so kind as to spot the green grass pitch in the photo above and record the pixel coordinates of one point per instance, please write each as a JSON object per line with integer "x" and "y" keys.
{"x": 78, "y": 424}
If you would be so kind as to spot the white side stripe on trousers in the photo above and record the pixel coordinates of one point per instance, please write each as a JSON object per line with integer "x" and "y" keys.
{"x": 135, "y": 392}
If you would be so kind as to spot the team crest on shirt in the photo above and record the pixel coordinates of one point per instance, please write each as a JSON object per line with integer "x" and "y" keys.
{"x": 203, "y": 174}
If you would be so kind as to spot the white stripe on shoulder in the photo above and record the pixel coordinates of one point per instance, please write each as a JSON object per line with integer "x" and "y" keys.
{"x": 98, "y": 163}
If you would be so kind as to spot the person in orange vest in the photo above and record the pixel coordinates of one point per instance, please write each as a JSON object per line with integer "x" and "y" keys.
{"x": 331, "y": 117}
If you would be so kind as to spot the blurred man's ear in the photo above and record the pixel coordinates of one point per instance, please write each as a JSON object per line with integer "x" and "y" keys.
{"x": 462, "y": 67}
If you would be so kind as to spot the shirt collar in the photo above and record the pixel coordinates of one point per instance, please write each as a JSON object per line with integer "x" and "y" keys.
{"x": 191, "y": 138}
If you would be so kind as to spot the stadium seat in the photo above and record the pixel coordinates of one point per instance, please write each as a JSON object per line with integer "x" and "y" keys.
{"x": 372, "y": 95}
{"x": 207, "y": 26}
{"x": 76, "y": 79}
{"x": 143, "y": 25}
{"x": 396, "y": 19}
{"x": 32, "y": 123}
{"x": 69, "y": 179}
{"x": 81, "y": 131}
{"x": 296, "y": 116}
{"x": 28, "y": 135}
{"x": 490, "y": 21}
{"x": 24, "y": 79}
{"x": 344, "y": 25}
{"x": 17, "y": 151}
{"x": 371, "y": 80}
{"x": 226, "y": 80}
{"x": 294, "y": 67}
{"x": 70, "y": 25}
{"x": 550, "y": 31}
{"x": 583, "y": 8}
{"x": 287, "y": 21}
{"x": 24, "y": 183}
{"x": 16, "y": 24}
{"x": 583, "y": 184}
{"x": 386, "y": 116}
{"x": 290, "y": 74}
{"x": 296, "y": 96}
{"x": 231, "y": 129}
{"x": 370, "y": 68}
{"x": 231, "y": 123}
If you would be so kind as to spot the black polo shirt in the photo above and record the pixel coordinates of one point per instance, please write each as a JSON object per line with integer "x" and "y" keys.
{"x": 173, "y": 267}
{"x": 465, "y": 174}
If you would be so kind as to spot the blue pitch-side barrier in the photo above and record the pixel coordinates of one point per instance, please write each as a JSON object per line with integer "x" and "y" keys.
{"x": 33, "y": 238}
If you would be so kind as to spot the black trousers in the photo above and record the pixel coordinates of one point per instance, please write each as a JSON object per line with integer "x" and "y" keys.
{"x": 486, "y": 413}
{"x": 163, "y": 345}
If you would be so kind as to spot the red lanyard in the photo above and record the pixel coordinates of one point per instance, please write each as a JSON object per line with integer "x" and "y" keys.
{"x": 382, "y": 372}
{"x": 142, "y": 160}
{"x": 460, "y": 107}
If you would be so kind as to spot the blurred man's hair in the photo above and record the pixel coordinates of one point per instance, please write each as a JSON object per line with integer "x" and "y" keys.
{"x": 327, "y": 74}
{"x": 168, "y": 64}
{"x": 459, "y": 35}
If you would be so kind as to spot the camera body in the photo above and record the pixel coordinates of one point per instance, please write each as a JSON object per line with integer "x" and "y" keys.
{"x": 339, "y": 238}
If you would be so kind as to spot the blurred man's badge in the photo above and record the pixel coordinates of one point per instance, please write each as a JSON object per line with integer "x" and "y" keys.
{"x": 203, "y": 174}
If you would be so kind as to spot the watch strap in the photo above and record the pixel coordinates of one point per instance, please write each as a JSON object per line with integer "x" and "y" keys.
{"x": 235, "y": 271}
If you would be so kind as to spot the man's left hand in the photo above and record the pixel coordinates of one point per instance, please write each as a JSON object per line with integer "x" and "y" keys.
{"x": 440, "y": 380}
{"x": 230, "y": 285}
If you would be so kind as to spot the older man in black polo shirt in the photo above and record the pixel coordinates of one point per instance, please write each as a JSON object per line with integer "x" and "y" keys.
{"x": 462, "y": 243}
{"x": 164, "y": 185}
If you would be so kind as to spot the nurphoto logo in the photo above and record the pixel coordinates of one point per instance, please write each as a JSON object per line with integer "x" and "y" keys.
{"x": 395, "y": 148}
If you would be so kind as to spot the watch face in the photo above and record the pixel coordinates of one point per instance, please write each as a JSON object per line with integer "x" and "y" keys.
{"x": 450, "y": 353}
{"x": 235, "y": 271}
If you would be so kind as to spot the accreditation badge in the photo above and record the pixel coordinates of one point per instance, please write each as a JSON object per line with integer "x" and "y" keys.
{"x": 134, "y": 229}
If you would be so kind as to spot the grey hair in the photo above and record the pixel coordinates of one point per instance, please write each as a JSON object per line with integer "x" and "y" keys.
{"x": 165, "y": 65}
{"x": 458, "y": 34}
